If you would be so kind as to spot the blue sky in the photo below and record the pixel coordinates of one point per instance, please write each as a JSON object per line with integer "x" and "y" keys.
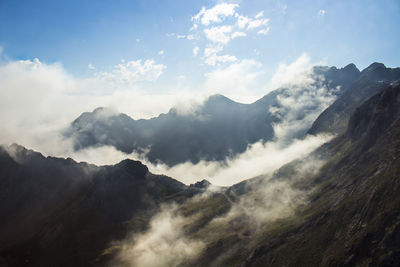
{"x": 107, "y": 33}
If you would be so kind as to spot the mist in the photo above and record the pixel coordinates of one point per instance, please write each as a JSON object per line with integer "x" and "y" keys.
{"x": 164, "y": 244}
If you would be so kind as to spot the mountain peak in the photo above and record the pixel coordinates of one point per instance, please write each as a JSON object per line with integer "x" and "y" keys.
{"x": 351, "y": 67}
{"x": 218, "y": 98}
{"x": 134, "y": 167}
{"x": 374, "y": 66}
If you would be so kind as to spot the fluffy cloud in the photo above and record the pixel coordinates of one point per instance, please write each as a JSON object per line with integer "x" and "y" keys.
{"x": 215, "y": 14}
{"x": 234, "y": 80}
{"x": 218, "y": 34}
{"x": 292, "y": 72}
{"x": 133, "y": 71}
{"x": 321, "y": 12}
{"x": 231, "y": 25}
{"x": 212, "y": 58}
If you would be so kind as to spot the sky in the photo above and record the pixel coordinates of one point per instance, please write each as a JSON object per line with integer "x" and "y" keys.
{"x": 165, "y": 45}
{"x": 59, "y": 59}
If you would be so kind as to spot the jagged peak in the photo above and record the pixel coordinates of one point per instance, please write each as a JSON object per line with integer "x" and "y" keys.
{"x": 218, "y": 98}
{"x": 203, "y": 184}
{"x": 134, "y": 167}
{"x": 351, "y": 67}
{"x": 374, "y": 66}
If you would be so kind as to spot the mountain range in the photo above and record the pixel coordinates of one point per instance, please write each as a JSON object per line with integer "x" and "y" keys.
{"x": 217, "y": 129}
{"x": 338, "y": 206}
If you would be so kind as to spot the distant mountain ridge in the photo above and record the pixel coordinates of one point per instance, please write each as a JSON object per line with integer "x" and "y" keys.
{"x": 218, "y": 129}
{"x": 371, "y": 81}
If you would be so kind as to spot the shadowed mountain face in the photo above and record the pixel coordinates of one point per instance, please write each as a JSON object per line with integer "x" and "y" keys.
{"x": 371, "y": 81}
{"x": 351, "y": 218}
{"x": 217, "y": 129}
{"x": 56, "y": 212}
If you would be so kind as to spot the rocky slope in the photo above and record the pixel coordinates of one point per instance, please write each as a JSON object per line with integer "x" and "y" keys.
{"x": 57, "y": 212}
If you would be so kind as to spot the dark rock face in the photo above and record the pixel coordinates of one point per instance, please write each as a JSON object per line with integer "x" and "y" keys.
{"x": 57, "y": 212}
{"x": 218, "y": 129}
{"x": 371, "y": 81}
{"x": 375, "y": 115}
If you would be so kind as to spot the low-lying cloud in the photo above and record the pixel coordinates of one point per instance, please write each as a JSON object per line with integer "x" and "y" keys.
{"x": 164, "y": 244}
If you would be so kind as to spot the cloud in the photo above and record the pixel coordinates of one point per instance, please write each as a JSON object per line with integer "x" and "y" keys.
{"x": 321, "y": 12}
{"x": 231, "y": 25}
{"x": 253, "y": 24}
{"x": 263, "y": 31}
{"x": 161, "y": 52}
{"x": 292, "y": 72}
{"x": 38, "y": 100}
{"x": 133, "y": 71}
{"x": 267, "y": 199}
{"x": 218, "y": 34}
{"x": 259, "y": 159}
{"x": 215, "y": 14}
{"x": 91, "y": 67}
{"x": 164, "y": 244}
{"x": 238, "y": 34}
{"x": 196, "y": 50}
{"x": 212, "y": 58}
{"x": 234, "y": 80}
{"x": 259, "y": 15}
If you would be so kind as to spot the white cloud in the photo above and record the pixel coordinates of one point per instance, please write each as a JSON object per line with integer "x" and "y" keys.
{"x": 164, "y": 244}
{"x": 242, "y": 21}
{"x": 321, "y": 12}
{"x": 91, "y": 67}
{"x": 232, "y": 25}
{"x": 238, "y": 79}
{"x": 194, "y": 27}
{"x": 193, "y": 37}
{"x": 196, "y": 50}
{"x": 214, "y": 59}
{"x": 253, "y": 24}
{"x": 259, "y": 159}
{"x": 161, "y": 52}
{"x": 218, "y": 34}
{"x": 215, "y": 14}
{"x": 263, "y": 31}
{"x": 133, "y": 71}
{"x": 259, "y": 14}
{"x": 211, "y": 57}
{"x": 238, "y": 34}
{"x": 288, "y": 73}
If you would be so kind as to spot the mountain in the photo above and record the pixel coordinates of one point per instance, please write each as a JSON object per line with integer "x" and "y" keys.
{"x": 351, "y": 217}
{"x": 338, "y": 206}
{"x": 57, "y": 212}
{"x": 371, "y": 81}
{"x": 216, "y": 130}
